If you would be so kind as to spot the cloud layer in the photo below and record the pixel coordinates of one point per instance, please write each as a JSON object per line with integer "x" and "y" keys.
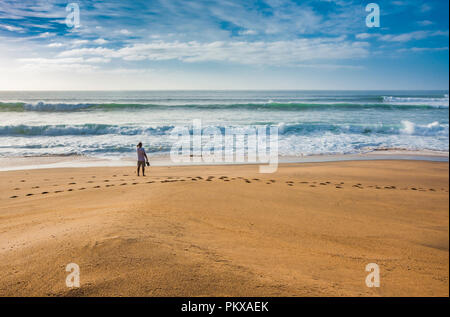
{"x": 209, "y": 36}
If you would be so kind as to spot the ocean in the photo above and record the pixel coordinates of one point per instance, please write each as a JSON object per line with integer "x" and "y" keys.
{"x": 109, "y": 124}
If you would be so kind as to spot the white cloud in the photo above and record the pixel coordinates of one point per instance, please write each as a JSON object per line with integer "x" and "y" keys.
{"x": 55, "y": 64}
{"x": 97, "y": 60}
{"x": 425, "y": 7}
{"x": 11, "y": 28}
{"x": 363, "y": 36}
{"x": 55, "y": 44}
{"x": 416, "y": 35}
{"x": 277, "y": 53}
{"x": 248, "y": 32}
{"x": 423, "y": 49}
{"x": 425, "y": 22}
{"x": 124, "y": 32}
{"x": 100, "y": 41}
{"x": 75, "y": 64}
{"x": 46, "y": 34}
{"x": 79, "y": 42}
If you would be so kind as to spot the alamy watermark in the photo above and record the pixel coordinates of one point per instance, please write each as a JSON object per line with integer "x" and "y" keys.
{"x": 73, "y": 16}
{"x": 250, "y": 144}
{"x": 373, "y": 278}
{"x": 373, "y": 18}
{"x": 73, "y": 278}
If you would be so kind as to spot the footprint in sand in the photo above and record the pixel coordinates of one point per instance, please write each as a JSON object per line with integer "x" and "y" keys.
{"x": 303, "y": 182}
{"x": 256, "y": 179}
{"x": 106, "y": 181}
{"x": 96, "y": 186}
{"x": 58, "y": 191}
{"x": 290, "y": 184}
{"x": 29, "y": 195}
{"x": 70, "y": 189}
{"x": 337, "y": 186}
{"x": 82, "y": 188}
{"x": 134, "y": 183}
{"x": 71, "y": 183}
{"x": 22, "y": 181}
{"x": 268, "y": 183}
{"x": 322, "y": 183}
{"x": 13, "y": 197}
{"x": 272, "y": 180}
{"x": 312, "y": 185}
{"x": 35, "y": 187}
{"x": 413, "y": 188}
{"x": 90, "y": 182}
{"x": 432, "y": 190}
{"x": 247, "y": 181}
{"x": 44, "y": 193}
{"x": 123, "y": 184}
{"x": 16, "y": 188}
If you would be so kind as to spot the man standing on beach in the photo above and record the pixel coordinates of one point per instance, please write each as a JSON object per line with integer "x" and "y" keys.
{"x": 142, "y": 158}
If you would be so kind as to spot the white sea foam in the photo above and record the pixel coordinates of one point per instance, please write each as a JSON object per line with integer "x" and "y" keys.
{"x": 60, "y": 123}
{"x": 432, "y": 101}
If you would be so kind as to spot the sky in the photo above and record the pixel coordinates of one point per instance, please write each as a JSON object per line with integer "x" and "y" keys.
{"x": 225, "y": 44}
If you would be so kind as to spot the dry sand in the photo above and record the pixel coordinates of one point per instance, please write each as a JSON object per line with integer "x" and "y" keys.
{"x": 307, "y": 230}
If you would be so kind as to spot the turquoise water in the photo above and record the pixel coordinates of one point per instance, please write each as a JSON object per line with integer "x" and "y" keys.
{"x": 109, "y": 124}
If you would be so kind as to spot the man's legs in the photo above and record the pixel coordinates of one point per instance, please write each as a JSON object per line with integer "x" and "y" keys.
{"x": 139, "y": 167}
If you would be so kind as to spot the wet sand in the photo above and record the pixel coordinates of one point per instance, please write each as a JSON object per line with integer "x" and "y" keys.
{"x": 307, "y": 230}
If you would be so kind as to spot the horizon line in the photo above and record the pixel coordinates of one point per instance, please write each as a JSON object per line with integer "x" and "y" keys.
{"x": 129, "y": 90}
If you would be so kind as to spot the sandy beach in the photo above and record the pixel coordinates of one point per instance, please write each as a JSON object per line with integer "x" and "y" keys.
{"x": 307, "y": 230}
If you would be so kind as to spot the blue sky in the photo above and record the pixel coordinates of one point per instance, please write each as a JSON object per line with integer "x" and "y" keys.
{"x": 227, "y": 44}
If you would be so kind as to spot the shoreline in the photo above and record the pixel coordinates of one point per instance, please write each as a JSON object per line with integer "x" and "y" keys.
{"x": 78, "y": 161}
